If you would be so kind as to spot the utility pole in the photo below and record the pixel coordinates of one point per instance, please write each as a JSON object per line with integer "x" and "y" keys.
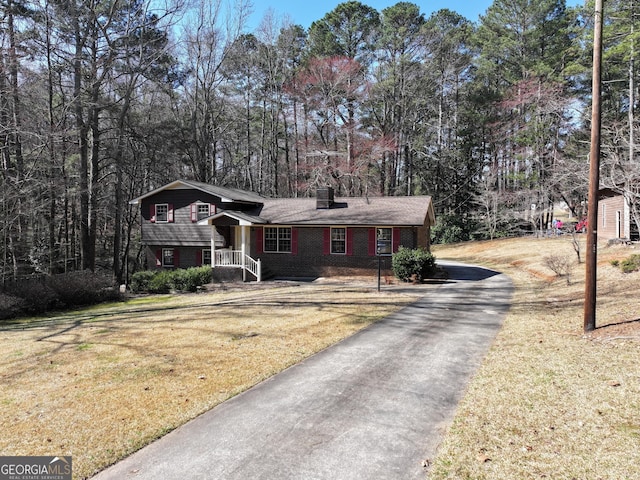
{"x": 594, "y": 177}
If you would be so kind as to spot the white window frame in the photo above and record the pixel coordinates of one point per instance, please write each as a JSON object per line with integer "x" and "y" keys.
{"x": 206, "y": 252}
{"x": 283, "y": 243}
{"x": 166, "y": 213}
{"x": 340, "y": 238}
{"x": 165, "y": 255}
{"x": 384, "y": 246}
{"x": 201, "y": 215}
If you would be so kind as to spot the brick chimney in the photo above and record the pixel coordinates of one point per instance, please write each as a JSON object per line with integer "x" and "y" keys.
{"x": 324, "y": 198}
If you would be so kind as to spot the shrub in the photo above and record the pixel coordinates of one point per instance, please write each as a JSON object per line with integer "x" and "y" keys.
{"x": 559, "y": 265}
{"x": 10, "y": 306}
{"x": 200, "y": 276}
{"x": 161, "y": 282}
{"x": 40, "y": 294}
{"x": 182, "y": 280}
{"x": 140, "y": 281}
{"x": 187, "y": 280}
{"x": 413, "y": 264}
{"x": 82, "y": 288}
{"x": 631, "y": 264}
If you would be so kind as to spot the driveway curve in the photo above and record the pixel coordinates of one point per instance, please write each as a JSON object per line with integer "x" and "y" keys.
{"x": 374, "y": 406}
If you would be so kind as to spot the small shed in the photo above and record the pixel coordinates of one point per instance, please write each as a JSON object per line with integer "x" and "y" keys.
{"x": 615, "y": 219}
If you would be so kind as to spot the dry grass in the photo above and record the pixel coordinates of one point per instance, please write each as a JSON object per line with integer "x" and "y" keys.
{"x": 549, "y": 401}
{"x": 101, "y": 383}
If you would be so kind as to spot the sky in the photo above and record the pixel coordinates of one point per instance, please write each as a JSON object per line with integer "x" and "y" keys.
{"x": 304, "y": 12}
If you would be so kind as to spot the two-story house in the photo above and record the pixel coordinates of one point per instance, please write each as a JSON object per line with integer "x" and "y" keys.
{"x": 243, "y": 235}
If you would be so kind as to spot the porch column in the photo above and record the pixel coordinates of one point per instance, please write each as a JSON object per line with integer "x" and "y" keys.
{"x": 213, "y": 246}
{"x": 243, "y": 251}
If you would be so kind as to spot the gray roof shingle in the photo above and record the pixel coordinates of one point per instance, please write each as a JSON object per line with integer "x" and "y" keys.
{"x": 373, "y": 211}
{"x": 363, "y": 211}
{"x": 226, "y": 194}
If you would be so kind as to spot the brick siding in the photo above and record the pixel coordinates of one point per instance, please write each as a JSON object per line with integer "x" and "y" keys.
{"x": 310, "y": 261}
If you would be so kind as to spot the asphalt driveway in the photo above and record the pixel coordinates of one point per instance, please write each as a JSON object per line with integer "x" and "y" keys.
{"x": 374, "y": 406}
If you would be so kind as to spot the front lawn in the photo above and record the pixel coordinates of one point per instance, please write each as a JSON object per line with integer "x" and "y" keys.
{"x": 101, "y": 383}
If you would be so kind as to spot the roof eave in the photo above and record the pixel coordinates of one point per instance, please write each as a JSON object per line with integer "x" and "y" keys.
{"x": 243, "y": 221}
{"x": 187, "y": 183}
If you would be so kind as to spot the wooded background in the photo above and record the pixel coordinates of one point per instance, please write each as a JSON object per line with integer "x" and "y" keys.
{"x": 104, "y": 100}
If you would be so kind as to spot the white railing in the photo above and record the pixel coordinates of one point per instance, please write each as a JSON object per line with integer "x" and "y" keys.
{"x": 253, "y": 266}
{"x": 236, "y": 258}
{"x": 228, "y": 258}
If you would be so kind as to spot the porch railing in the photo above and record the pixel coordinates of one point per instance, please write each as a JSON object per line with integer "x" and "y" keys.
{"x": 236, "y": 258}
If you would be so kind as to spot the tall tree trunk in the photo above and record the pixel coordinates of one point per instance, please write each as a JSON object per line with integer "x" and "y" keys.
{"x": 52, "y": 173}
{"x": 83, "y": 140}
{"x": 16, "y": 103}
{"x": 632, "y": 99}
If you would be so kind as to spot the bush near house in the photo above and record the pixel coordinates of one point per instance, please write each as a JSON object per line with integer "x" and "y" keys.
{"x": 410, "y": 264}
{"x": 164, "y": 281}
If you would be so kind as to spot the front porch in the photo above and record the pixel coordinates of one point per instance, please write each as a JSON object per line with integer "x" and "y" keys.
{"x": 237, "y": 259}
{"x": 231, "y": 242}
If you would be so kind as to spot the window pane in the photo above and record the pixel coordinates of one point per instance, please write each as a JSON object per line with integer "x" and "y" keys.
{"x": 203, "y": 210}
{"x": 338, "y": 240}
{"x": 167, "y": 257}
{"x": 384, "y": 241}
{"x": 284, "y": 239}
{"x": 271, "y": 239}
{"x": 162, "y": 211}
{"x": 206, "y": 257}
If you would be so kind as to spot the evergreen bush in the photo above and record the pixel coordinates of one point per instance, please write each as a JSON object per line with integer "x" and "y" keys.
{"x": 140, "y": 281}
{"x": 82, "y": 288}
{"x": 631, "y": 264}
{"x": 164, "y": 281}
{"x": 413, "y": 264}
{"x": 44, "y": 293}
{"x": 161, "y": 282}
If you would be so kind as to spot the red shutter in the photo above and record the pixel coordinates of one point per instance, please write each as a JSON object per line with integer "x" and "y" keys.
{"x": 259, "y": 240}
{"x": 294, "y": 241}
{"x": 152, "y": 213}
{"x": 349, "y": 235}
{"x": 326, "y": 241}
{"x": 194, "y": 212}
{"x": 199, "y": 257}
{"x": 372, "y": 241}
{"x": 212, "y": 209}
{"x": 176, "y": 257}
{"x": 159, "y": 257}
{"x": 170, "y": 213}
{"x": 395, "y": 240}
